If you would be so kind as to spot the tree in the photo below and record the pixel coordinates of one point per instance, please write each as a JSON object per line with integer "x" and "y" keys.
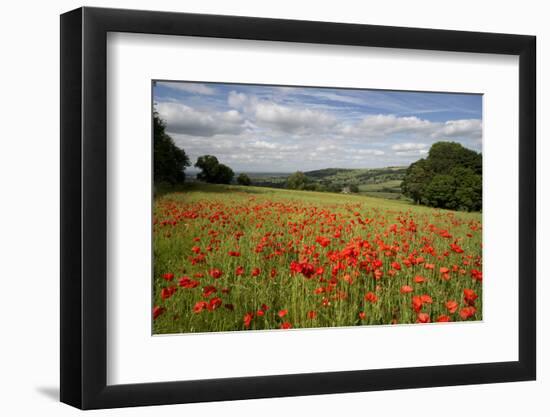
{"x": 468, "y": 189}
{"x": 169, "y": 161}
{"x": 224, "y": 175}
{"x": 212, "y": 171}
{"x": 440, "y": 192}
{"x": 243, "y": 179}
{"x": 418, "y": 175}
{"x": 353, "y": 188}
{"x": 297, "y": 181}
{"x": 450, "y": 177}
{"x": 444, "y": 156}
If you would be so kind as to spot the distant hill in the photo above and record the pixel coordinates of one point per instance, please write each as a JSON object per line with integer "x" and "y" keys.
{"x": 376, "y": 182}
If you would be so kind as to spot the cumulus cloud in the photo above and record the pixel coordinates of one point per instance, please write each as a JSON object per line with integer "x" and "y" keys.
{"x": 467, "y": 128}
{"x": 190, "y": 88}
{"x": 289, "y": 119}
{"x": 376, "y": 152}
{"x": 381, "y": 125}
{"x": 408, "y": 146}
{"x": 278, "y": 117}
{"x": 236, "y": 100}
{"x": 186, "y": 120}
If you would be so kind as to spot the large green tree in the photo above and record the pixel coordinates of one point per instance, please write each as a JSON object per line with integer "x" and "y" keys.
{"x": 243, "y": 179}
{"x": 212, "y": 171}
{"x": 297, "y": 181}
{"x": 169, "y": 161}
{"x": 417, "y": 177}
{"x": 449, "y": 177}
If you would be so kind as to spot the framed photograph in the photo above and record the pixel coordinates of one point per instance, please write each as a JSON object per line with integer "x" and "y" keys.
{"x": 255, "y": 208}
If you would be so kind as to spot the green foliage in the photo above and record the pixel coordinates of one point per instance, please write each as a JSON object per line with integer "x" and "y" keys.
{"x": 450, "y": 178}
{"x": 417, "y": 177}
{"x": 353, "y": 188}
{"x": 440, "y": 191}
{"x": 212, "y": 171}
{"x": 243, "y": 179}
{"x": 169, "y": 160}
{"x": 298, "y": 181}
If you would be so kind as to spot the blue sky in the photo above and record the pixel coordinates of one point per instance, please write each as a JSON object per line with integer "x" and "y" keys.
{"x": 285, "y": 129}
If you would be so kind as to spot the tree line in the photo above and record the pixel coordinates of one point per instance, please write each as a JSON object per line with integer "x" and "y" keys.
{"x": 170, "y": 161}
{"x": 449, "y": 177}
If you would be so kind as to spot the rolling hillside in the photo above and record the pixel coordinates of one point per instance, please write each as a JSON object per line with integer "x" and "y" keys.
{"x": 376, "y": 182}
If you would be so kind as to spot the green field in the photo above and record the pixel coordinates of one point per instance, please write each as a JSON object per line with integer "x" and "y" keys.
{"x": 239, "y": 258}
{"x": 374, "y": 182}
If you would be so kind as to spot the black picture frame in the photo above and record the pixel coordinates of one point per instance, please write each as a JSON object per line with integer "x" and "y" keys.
{"x": 84, "y": 207}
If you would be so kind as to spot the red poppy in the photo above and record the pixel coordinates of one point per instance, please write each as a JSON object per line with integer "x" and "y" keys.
{"x": 419, "y": 279}
{"x": 186, "y": 282}
{"x": 311, "y": 314}
{"x": 248, "y": 319}
{"x": 425, "y": 298}
{"x": 323, "y": 241}
{"x": 234, "y": 253}
{"x": 443, "y": 318}
{"x": 452, "y": 306}
{"x": 239, "y": 271}
{"x": 405, "y": 289}
{"x": 362, "y": 315}
{"x": 255, "y": 272}
{"x": 423, "y": 318}
{"x": 264, "y": 307}
{"x": 476, "y": 274}
{"x": 396, "y": 266}
{"x": 157, "y": 311}
{"x": 199, "y": 306}
{"x": 215, "y": 273}
{"x": 214, "y": 303}
{"x": 209, "y": 290}
{"x": 167, "y": 292}
{"x": 470, "y": 296}
{"x": 456, "y": 248}
{"x": 443, "y": 270}
{"x": 282, "y": 313}
{"x": 371, "y": 297}
{"x": 260, "y": 313}
{"x": 417, "y": 303}
{"x": 168, "y": 276}
{"x": 467, "y": 312}
{"x": 286, "y": 325}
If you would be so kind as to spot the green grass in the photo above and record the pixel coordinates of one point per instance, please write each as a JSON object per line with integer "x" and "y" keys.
{"x": 271, "y": 228}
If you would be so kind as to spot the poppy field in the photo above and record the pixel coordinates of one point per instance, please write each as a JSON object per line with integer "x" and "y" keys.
{"x": 230, "y": 257}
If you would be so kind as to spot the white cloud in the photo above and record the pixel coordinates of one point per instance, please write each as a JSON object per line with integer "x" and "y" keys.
{"x": 291, "y": 119}
{"x": 281, "y": 118}
{"x": 186, "y": 120}
{"x": 467, "y": 128}
{"x": 375, "y": 152}
{"x": 386, "y": 124}
{"x": 408, "y": 146}
{"x": 190, "y": 87}
{"x": 236, "y": 100}
{"x": 260, "y": 144}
